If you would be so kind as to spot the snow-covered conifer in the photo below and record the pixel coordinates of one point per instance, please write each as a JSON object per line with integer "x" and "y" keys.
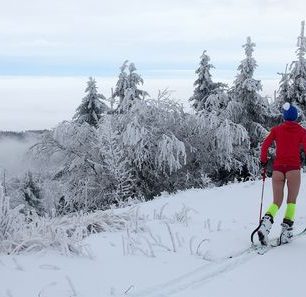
{"x": 127, "y": 87}
{"x": 248, "y": 107}
{"x": 283, "y": 95}
{"x": 92, "y": 105}
{"x": 298, "y": 73}
{"x": 245, "y": 91}
{"x": 122, "y": 83}
{"x": 204, "y": 86}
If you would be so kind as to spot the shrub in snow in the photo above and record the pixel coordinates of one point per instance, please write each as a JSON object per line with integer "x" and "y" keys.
{"x": 171, "y": 154}
{"x": 229, "y": 146}
{"x": 118, "y": 180}
{"x": 151, "y": 137}
{"x": 74, "y": 150}
{"x": 11, "y": 220}
{"x": 24, "y": 233}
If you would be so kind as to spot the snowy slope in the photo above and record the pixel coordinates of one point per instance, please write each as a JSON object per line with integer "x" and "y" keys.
{"x": 206, "y": 226}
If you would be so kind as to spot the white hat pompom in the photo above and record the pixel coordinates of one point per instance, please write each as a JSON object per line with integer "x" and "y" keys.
{"x": 286, "y": 106}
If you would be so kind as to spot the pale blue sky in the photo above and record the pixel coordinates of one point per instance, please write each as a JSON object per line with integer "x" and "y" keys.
{"x": 93, "y": 37}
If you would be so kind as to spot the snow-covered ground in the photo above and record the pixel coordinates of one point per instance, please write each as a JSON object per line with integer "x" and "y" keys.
{"x": 176, "y": 245}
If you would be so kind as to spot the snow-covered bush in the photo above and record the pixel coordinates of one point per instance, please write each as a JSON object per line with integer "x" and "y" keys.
{"x": 151, "y": 142}
{"x": 73, "y": 148}
{"x": 118, "y": 180}
{"x": 21, "y": 233}
{"x": 11, "y": 220}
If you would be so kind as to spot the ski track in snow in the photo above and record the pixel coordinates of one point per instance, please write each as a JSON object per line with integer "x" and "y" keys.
{"x": 194, "y": 278}
{"x": 198, "y": 277}
{"x": 201, "y": 275}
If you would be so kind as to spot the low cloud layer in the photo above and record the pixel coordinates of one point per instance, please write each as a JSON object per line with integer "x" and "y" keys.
{"x": 12, "y": 155}
{"x": 42, "y": 102}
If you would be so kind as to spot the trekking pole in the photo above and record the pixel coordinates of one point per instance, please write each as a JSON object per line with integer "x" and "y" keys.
{"x": 261, "y": 202}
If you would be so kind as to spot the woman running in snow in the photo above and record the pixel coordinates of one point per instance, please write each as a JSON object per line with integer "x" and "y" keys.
{"x": 289, "y": 138}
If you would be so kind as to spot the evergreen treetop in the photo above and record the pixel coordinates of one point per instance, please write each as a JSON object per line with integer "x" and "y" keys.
{"x": 298, "y": 72}
{"x": 92, "y": 107}
{"x": 254, "y": 109}
{"x": 204, "y": 85}
{"x": 127, "y": 87}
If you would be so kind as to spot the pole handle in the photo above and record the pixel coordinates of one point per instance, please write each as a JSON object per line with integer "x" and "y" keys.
{"x": 264, "y": 174}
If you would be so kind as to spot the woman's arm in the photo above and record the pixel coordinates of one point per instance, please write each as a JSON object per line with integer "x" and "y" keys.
{"x": 266, "y": 144}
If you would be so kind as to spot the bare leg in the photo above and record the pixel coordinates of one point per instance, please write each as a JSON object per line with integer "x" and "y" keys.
{"x": 293, "y": 184}
{"x": 278, "y": 183}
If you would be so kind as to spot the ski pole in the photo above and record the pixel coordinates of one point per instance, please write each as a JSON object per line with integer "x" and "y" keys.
{"x": 261, "y": 202}
{"x": 262, "y": 192}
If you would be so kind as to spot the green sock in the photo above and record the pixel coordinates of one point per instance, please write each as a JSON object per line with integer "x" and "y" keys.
{"x": 290, "y": 212}
{"x": 272, "y": 210}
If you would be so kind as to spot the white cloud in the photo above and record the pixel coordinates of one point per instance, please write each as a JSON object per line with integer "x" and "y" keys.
{"x": 112, "y": 30}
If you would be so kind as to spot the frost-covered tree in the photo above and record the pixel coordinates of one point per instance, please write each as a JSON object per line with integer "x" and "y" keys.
{"x": 118, "y": 181}
{"x": 122, "y": 84}
{"x": 204, "y": 85}
{"x": 92, "y": 105}
{"x": 127, "y": 87}
{"x": 250, "y": 109}
{"x": 71, "y": 154}
{"x": 254, "y": 109}
{"x": 225, "y": 154}
{"x": 229, "y": 141}
{"x": 283, "y": 95}
{"x": 149, "y": 136}
{"x": 87, "y": 166}
{"x": 297, "y": 73}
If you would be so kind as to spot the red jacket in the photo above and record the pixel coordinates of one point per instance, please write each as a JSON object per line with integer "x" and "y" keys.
{"x": 289, "y": 138}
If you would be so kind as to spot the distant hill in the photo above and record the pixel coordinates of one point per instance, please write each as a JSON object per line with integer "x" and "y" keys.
{"x": 20, "y": 135}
